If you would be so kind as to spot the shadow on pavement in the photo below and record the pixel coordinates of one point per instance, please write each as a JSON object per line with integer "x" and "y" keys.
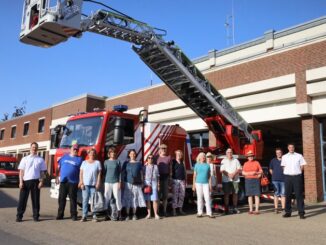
{"x": 315, "y": 210}
{"x": 7, "y": 201}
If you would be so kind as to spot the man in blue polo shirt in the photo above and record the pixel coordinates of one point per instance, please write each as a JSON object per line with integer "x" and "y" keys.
{"x": 276, "y": 171}
{"x": 68, "y": 167}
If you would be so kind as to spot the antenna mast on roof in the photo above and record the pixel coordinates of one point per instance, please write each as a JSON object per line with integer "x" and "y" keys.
{"x": 229, "y": 25}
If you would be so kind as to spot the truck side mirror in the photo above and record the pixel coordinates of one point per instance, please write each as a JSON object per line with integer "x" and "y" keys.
{"x": 143, "y": 116}
{"x": 56, "y": 135}
{"x": 119, "y": 132}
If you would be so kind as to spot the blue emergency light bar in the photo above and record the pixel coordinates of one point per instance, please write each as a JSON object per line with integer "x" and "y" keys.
{"x": 120, "y": 108}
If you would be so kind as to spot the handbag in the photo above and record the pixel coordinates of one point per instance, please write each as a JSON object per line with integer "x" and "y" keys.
{"x": 264, "y": 181}
{"x": 97, "y": 202}
{"x": 148, "y": 188}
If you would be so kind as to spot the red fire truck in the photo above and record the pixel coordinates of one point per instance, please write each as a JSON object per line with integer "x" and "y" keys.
{"x": 57, "y": 23}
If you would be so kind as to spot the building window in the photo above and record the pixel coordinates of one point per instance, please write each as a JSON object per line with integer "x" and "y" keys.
{"x": 26, "y": 129}
{"x": 2, "y": 134}
{"x": 41, "y": 125}
{"x": 199, "y": 139}
{"x": 41, "y": 153}
{"x": 13, "y": 132}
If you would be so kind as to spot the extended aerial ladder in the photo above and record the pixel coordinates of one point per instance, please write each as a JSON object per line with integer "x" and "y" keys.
{"x": 45, "y": 26}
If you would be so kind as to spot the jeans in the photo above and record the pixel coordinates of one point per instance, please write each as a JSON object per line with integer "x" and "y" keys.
{"x": 202, "y": 191}
{"x": 112, "y": 195}
{"x": 279, "y": 188}
{"x": 30, "y": 186}
{"x": 65, "y": 189}
{"x": 294, "y": 183}
{"x": 87, "y": 194}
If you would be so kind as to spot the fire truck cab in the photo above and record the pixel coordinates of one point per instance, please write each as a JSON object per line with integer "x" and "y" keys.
{"x": 103, "y": 129}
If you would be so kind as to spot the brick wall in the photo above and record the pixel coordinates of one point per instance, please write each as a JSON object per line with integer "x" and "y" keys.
{"x": 292, "y": 61}
{"x": 33, "y": 134}
{"x": 311, "y": 152}
{"x": 71, "y": 107}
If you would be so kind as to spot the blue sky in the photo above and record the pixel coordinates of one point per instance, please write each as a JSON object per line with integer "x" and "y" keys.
{"x": 104, "y": 66}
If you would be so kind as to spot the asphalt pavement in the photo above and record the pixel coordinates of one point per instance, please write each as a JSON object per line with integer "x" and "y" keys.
{"x": 266, "y": 228}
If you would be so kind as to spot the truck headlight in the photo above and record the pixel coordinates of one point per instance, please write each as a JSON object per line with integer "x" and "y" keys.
{"x": 3, "y": 177}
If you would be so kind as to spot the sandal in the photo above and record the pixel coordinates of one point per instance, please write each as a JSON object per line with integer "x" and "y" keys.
{"x": 250, "y": 212}
{"x": 148, "y": 217}
{"x": 256, "y": 212}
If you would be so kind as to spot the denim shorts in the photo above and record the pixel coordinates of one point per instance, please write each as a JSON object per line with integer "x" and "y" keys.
{"x": 279, "y": 188}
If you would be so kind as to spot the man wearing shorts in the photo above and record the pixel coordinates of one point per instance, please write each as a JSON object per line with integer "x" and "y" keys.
{"x": 230, "y": 169}
{"x": 276, "y": 171}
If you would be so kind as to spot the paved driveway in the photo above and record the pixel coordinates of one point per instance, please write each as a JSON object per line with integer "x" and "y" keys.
{"x": 267, "y": 228}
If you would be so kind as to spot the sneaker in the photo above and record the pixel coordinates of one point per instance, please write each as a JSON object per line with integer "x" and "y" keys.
{"x": 19, "y": 219}
{"x": 199, "y": 215}
{"x": 114, "y": 218}
{"x": 74, "y": 218}
{"x": 106, "y": 218}
{"x": 236, "y": 211}
{"x": 59, "y": 218}
{"x": 127, "y": 218}
{"x": 95, "y": 219}
{"x": 211, "y": 216}
{"x": 157, "y": 217}
{"x": 36, "y": 220}
{"x": 302, "y": 216}
{"x": 134, "y": 217}
{"x": 276, "y": 211}
{"x": 83, "y": 219}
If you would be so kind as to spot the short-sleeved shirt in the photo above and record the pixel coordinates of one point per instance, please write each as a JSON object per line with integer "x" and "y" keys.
{"x": 230, "y": 166}
{"x": 292, "y": 163}
{"x": 178, "y": 170}
{"x": 275, "y": 165}
{"x": 32, "y": 166}
{"x": 112, "y": 170}
{"x": 90, "y": 172}
{"x": 252, "y": 166}
{"x": 163, "y": 164}
{"x": 202, "y": 171}
{"x": 151, "y": 173}
{"x": 69, "y": 168}
{"x": 133, "y": 172}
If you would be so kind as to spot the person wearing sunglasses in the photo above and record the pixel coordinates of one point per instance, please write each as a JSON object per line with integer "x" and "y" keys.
{"x": 151, "y": 178}
{"x": 68, "y": 169}
{"x": 164, "y": 163}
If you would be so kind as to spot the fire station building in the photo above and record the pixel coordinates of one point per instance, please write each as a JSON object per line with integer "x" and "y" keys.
{"x": 276, "y": 82}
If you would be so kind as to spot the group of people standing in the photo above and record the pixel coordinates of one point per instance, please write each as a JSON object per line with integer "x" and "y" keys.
{"x": 125, "y": 183}
{"x": 133, "y": 184}
{"x": 286, "y": 171}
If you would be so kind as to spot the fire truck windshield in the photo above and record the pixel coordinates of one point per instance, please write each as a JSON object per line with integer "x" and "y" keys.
{"x": 84, "y": 132}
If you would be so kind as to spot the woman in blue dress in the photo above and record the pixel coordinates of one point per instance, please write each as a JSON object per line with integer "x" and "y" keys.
{"x": 151, "y": 179}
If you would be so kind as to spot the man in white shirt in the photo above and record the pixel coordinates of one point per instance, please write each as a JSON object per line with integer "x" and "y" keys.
{"x": 230, "y": 169}
{"x": 32, "y": 171}
{"x": 293, "y": 164}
